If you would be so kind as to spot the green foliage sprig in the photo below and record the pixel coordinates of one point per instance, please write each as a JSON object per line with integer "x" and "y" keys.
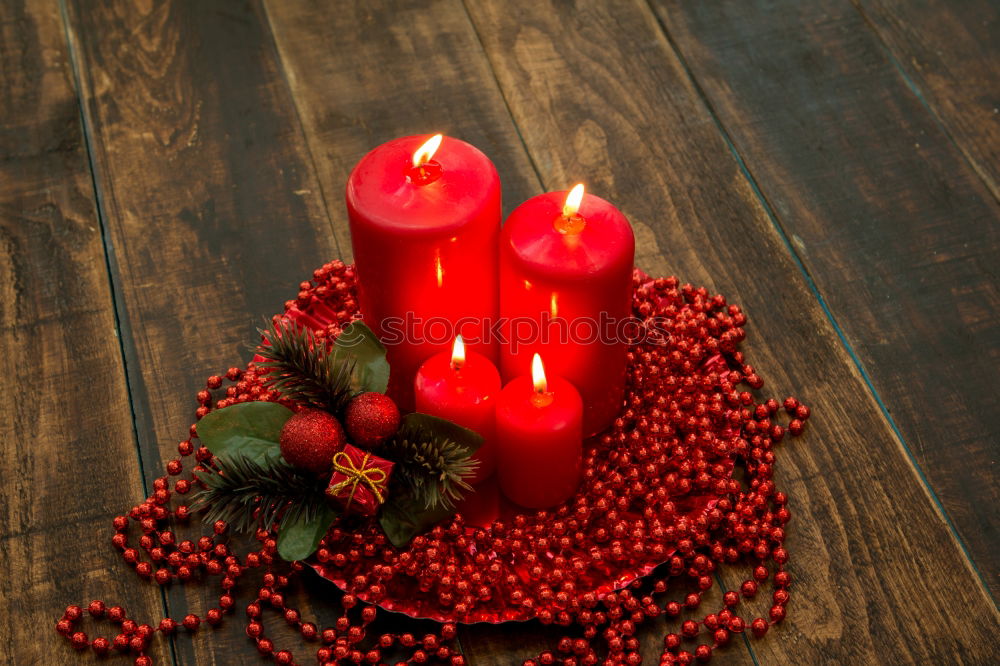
{"x": 433, "y": 459}
{"x": 302, "y": 367}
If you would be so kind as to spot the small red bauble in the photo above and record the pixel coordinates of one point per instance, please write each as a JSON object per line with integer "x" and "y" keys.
{"x": 371, "y": 418}
{"x": 310, "y": 438}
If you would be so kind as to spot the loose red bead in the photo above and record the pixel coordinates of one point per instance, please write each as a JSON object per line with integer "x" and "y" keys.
{"x": 777, "y": 613}
{"x": 101, "y": 645}
{"x": 689, "y": 628}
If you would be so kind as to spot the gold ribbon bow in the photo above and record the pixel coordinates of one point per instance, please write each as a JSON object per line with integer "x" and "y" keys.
{"x": 370, "y": 477}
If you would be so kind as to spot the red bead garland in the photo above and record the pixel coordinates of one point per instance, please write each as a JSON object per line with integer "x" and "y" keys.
{"x": 659, "y": 487}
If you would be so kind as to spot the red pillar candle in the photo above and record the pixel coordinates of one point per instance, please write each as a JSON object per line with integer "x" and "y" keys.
{"x": 462, "y": 387}
{"x": 424, "y": 228}
{"x": 566, "y": 292}
{"x": 539, "y": 439}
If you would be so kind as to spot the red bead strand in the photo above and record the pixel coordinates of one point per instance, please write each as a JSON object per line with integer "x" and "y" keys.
{"x": 658, "y": 487}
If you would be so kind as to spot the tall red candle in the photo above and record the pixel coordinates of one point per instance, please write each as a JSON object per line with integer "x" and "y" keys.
{"x": 424, "y": 229}
{"x": 462, "y": 387}
{"x": 539, "y": 439}
{"x": 566, "y": 292}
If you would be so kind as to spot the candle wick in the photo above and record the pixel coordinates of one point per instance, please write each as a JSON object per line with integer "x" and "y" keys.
{"x": 424, "y": 173}
{"x": 570, "y": 224}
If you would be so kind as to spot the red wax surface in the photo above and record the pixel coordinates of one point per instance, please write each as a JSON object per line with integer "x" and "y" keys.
{"x": 465, "y": 395}
{"x": 425, "y": 246}
{"x": 563, "y": 282}
{"x": 539, "y": 442}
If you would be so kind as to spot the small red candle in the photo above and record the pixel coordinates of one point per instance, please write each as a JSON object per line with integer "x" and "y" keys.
{"x": 566, "y": 267}
{"x": 425, "y": 223}
{"x": 462, "y": 387}
{"x": 539, "y": 438}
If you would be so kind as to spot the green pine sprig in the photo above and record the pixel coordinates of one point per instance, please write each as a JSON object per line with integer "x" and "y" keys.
{"x": 248, "y": 494}
{"x": 303, "y": 368}
{"x": 431, "y": 467}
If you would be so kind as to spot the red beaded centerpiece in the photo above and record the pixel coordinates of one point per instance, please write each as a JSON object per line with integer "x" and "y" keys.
{"x": 678, "y": 486}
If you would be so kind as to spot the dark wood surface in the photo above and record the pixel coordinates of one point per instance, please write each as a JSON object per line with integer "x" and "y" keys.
{"x": 172, "y": 170}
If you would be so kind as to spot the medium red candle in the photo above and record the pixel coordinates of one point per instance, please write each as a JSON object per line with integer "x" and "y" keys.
{"x": 539, "y": 439}
{"x": 566, "y": 264}
{"x": 425, "y": 222}
{"x": 462, "y": 387}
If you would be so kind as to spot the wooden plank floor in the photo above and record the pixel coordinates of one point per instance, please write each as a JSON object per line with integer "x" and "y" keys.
{"x": 170, "y": 171}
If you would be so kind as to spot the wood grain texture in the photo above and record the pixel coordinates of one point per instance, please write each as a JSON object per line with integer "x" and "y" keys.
{"x": 431, "y": 76}
{"x": 900, "y": 236}
{"x": 213, "y": 212}
{"x": 601, "y": 94}
{"x": 70, "y": 461}
{"x": 951, "y": 53}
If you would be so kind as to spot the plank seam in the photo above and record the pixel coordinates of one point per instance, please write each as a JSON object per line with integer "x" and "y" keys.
{"x": 110, "y": 264}
{"x": 503, "y": 96}
{"x": 280, "y": 63}
{"x": 926, "y": 103}
{"x": 814, "y": 289}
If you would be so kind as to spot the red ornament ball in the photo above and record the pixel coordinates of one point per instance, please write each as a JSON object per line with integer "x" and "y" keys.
{"x": 310, "y": 438}
{"x": 371, "y": 418}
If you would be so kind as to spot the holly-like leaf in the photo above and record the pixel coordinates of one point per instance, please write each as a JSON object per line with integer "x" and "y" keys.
{"x": 299, "y": 534}
{"x": 357, "y": 342}
{"x": 249, "y": 429}
{"x": 403, "y": 518}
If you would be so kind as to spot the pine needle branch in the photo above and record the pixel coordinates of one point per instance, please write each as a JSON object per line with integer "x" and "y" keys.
{"x": 247, "y": 494}
{"x": 434, "y": 469}
{"x": 302, "y": 367}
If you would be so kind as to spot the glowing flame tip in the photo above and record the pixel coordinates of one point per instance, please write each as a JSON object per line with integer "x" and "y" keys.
{"x": 425, "y": 153}
{"x": 573, "y": 200}
{"x": 458, "y": 352}
{"x": 538, "y": 374}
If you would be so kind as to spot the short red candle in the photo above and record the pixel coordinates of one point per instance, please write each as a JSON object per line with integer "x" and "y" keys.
{"x": 425, "y": 232}
{"x": 568, "y": 269}
{"x": 539, "y": 439}
{"x": 462, "y": 387}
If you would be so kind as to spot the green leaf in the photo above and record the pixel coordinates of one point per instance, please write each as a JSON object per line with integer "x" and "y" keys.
{"x": 443, "y": 429}
{"x": 371, "y": 369}
{"x": 298, "y": 537}
{"x": 403, "y": 518}
{"x": 249, "y": 429}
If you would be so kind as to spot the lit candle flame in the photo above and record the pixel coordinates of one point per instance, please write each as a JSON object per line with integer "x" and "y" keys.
{"x": 458, "y": 353}
{"x": 573, "y": 200}
{"x": 426, "y": 152}
{"x": 538, "y": 375}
